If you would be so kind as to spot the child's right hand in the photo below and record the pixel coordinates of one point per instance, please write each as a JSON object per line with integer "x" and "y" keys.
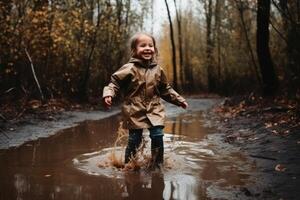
{"x": 107, "y": 101}
{"x": 184, "y": 105}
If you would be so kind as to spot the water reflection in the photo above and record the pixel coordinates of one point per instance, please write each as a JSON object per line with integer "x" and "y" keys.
{"x": 149, "y": 187}
{"x": 21, "y": 185}
{"x": 155, "y": 186}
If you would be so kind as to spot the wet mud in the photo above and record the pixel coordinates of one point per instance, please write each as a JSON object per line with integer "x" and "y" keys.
{"x": 276, "y": 158}
{"x": 71, "y": 165}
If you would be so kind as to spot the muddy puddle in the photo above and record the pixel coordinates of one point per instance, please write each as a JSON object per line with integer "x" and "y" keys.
{"x": 74, "y": 164}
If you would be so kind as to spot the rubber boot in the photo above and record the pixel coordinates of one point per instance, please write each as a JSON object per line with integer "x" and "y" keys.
{"x": 134, "y": 141}
{"x": 157, "y": 151}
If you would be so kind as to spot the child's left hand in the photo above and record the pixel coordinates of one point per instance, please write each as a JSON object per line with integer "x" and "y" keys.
{"x": 184, "y": 105}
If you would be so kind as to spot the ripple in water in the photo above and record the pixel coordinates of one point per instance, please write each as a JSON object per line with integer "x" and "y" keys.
{"x": 179, "y": 156}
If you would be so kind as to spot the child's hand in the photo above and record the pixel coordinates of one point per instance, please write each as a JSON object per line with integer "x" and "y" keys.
{"x": 184, "y": 105}
{"x": 107, "y": 101}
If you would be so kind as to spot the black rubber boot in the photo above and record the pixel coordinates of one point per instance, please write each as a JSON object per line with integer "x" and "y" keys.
{"x": 157, "y": 150}
{"x": 134, "y": 141}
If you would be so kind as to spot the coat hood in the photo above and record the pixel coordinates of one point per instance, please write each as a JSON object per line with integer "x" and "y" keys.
{"x": 143, "y": 63}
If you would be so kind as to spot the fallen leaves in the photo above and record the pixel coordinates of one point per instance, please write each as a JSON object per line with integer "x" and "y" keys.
{"x": 268, "y": 125}
{"x": 231, "y": 112}
{"x": 280, "y": 116}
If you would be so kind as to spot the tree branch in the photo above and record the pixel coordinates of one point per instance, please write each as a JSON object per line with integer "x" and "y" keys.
{"x": 278, "y": 32}
{"x": 34, "y": 75}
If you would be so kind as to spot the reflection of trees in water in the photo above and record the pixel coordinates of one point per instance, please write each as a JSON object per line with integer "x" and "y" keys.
{"x": 138, "y": 187}
{"x": 181, "y": 187}
{"x": 177, "y": 126}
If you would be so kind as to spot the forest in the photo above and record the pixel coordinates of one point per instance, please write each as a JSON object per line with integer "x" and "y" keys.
{"x": 68, "y": 49}
{"x": 235, "y": 134}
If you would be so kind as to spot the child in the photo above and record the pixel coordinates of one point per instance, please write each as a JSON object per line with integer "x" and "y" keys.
{"x": 144, "y": 83}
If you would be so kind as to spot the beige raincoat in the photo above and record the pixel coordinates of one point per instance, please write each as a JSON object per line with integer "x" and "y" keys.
{"x": 143, "y": 85}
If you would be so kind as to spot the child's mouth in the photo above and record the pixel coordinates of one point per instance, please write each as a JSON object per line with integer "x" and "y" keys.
{"x": 147, "y": 54}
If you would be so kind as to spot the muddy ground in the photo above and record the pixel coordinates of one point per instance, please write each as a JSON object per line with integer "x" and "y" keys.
{"x": 275, "y": 157}
{"x": 268, "y": 132}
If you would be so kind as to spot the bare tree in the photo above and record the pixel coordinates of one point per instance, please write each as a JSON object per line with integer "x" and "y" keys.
{"x": 290, "y": 14}
{"x": 241, "y": 8}
{"x": 178, "y": 19}
{"x": 208, "y": 4}
{"x": 82, "y": 91}
{"x": 173, "y": 48}
{"x": 34, "y": 75}
{"x": 188, "y": 49}
{"x": 269, "y": 78}
{"x": 217, "y": 38}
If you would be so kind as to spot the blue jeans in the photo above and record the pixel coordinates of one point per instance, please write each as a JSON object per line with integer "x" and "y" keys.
{"x": 157, "y": 144}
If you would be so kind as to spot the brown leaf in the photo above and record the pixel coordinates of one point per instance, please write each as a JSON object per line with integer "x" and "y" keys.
{"x": 34, "y": 104}
{"x": 268, "y": 125}
{"x": 280, "y": 168}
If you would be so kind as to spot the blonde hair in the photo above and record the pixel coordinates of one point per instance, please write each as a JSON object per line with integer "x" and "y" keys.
{"x": 134, "y": 41}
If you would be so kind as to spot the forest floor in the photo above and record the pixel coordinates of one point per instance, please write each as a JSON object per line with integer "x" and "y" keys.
{"x": 266, "y": 130}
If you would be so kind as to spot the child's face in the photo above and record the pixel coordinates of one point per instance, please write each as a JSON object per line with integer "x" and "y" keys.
{"x": 145, "y": 47}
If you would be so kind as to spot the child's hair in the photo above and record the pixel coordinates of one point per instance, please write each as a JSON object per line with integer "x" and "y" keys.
{"x": 134, "y": 40}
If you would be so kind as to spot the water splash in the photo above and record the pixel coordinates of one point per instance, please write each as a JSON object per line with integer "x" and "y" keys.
{"x": 180, "y": 156}
{"x": 114, "y": 158}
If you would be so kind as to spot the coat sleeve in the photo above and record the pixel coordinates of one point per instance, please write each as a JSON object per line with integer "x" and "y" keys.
{"x": 116, "y": 81}
{"x": 167, "y": 92}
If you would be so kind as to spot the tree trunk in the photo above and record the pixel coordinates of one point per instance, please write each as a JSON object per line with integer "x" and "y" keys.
{"x": 181, "y": 67}
{"x": 293, "y": 47}
{"x": 188, "y": 71}
{"x": 173, "y": 48}
{"x": 217, "y": 41}
{"x": 119, "y": 4}
{"x": 83, "y": 83}
{"x": 209, "y": 47}
{"x": 34, "y": 76}
{"x": 269, "y": 78}
{"x": 254, "y": 70}
{"x": 290, "y": 15}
